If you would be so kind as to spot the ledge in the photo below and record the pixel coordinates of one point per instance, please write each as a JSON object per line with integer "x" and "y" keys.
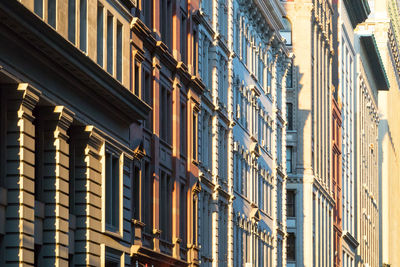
{"x": 375, "y": 61}
{"x": 358, "y": 11}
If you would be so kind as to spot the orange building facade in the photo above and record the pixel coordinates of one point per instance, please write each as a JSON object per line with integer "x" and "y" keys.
{"x": 164, "y": 75}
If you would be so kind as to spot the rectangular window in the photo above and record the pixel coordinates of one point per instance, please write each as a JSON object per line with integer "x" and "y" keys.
{"x": 166, "y": 22}
{"x": 71, "y": 20}
{"x": 148, "y": 13}
{"x": 195, "y": 219}
{"x": 290, "y": 203}
{"x": 289, "y": 115}
{"x": 119, "y": 52}
{"x": 183, "y": 37}
{"x": 83, "y": 25}
{"x": 51, "y": 12}
{"x": 166, "y": 206}
{"x": 289, "y": 161}
{"x": 38, "y": 8}
{"x": 136, "y": 193}
{"x": 147, "y": 198}
{"x": 165, "y": 115}
{"x": 113, "y": 258}
{"x": 289, "y": 78}
{"x": 291, "y": 247}
{"x": 112, "y": 190}
{"x": 147, "y": 96}
{"x": 194, "y": 136}
{"x": 100, "y": 34}
{"x": 110, "y": 43}
{"x": 183, "y": 129}
{"x": 137, "y": 79}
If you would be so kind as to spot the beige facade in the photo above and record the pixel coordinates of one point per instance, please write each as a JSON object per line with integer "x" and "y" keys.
{"x": 311, "y": 177}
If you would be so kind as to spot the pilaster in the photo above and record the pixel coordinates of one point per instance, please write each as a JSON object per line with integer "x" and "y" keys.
{"x": 20, "y": 176}
{"x": 56, "y": 185}
{"x": 88, "y": 169}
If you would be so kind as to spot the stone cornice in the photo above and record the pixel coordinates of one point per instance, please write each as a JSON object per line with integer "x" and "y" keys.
{"x": 358, "y": 11}
{"x": 374, "y": 58}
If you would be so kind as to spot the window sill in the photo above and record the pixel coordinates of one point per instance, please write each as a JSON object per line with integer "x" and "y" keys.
{"x": 111, "y": 233}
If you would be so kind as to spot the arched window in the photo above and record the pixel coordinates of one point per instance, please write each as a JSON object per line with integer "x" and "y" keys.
{"x": 287, "y": 31}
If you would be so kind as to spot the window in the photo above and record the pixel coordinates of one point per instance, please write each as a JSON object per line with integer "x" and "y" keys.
{"x": 2, "y": 250}
{"x": 38, "y": 255}
{"x": 194, "y": 137}
{"x": 183, "y": 37}
{"x": 291, "y": 247}
{"x": 147, "y": 96}
{"x": 165, "y": 115}
{"x": 289, "y": 160}
{"x": 38, "y": 8}
{"x": 195, "y": 219}
{"x": 289, "y": 115}
{"x": 290, "y": 203}
{"x": 110, "y": 43}
{"x": 119, "y": 52}
{"x": 71, "y": 20}
{"x": 51, "y": 12}
{"x": 287, "y": 31}
{"x": 112, "y": 169}
{"x": 166, "y": 22}
{"x": 289, "y": 78}
{"x": 166, "y": 185}
{"x": 100, "y": 34}
{"x": 82, "y": 25}
{"x": 113, "y": 258}
{"x": 137, "y": 79}
{"x": 147, "y": 198}
{"x": 148, "y": 13}
{"x": 183, "y": 129}
{"x": 136, "y": 193}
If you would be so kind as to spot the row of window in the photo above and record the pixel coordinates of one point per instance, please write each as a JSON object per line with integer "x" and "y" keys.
{"x": 251, "y": 50}
{"x": 252, "y": 117}
{"x": 253, "y": 183}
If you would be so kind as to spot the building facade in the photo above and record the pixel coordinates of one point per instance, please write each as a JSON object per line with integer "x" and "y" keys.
{"x": 99, "y": 113}
{"x": 243, "y": 63}
{"x": 310, "y": 184}
{"x": 66, "y": 110}
{"x": 384, "y": 17}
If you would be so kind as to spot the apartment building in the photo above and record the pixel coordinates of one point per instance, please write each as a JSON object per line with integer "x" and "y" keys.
{"x": 351, "y": 14}
{"x": 99, "y": 113}
{"x": 310, "y": 181}
{"x": 66, "y": 109}
{"x": 384, "y": 20}
{"x": 243, "y": 63}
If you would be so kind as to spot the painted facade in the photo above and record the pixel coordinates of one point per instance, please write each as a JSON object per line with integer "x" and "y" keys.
{"x": 100, "y": 104}
{"x": 243, "y": 63}
{"x": 310, "y": 181}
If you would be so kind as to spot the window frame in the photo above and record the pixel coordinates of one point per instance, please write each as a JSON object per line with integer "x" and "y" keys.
{"x": 119, "y": 155}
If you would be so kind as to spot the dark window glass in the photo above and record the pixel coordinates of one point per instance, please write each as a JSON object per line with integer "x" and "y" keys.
{"x": 289, "y": 115}
{"x": 119, "y": 52}
{"x": 71, "y": 20}
{"x": 291, "y": 247}
{"x": 110, "y": 43}
{"x": 100, "y": 34}
{"x": 82, "y": 25}
{"x": 290, "y": 203}
{"x": 112, "y": 191}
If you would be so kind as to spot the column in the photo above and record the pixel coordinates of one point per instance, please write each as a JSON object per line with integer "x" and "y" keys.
{"x": 20, "y": 213}
{"x": 56, "y": 185}
{"x": 88, "y": 181}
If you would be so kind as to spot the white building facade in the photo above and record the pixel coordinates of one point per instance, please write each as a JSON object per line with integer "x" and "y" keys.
{"x": 243, "y": 62}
